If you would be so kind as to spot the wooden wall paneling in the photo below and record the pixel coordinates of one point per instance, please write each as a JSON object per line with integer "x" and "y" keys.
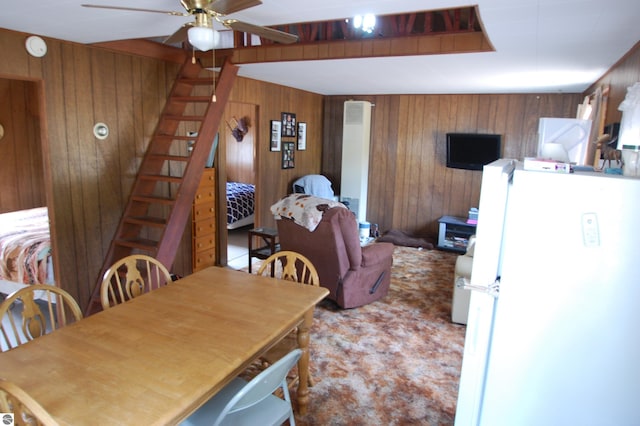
{"x": 240, "y": 155}
{"x": 410, "y": 186}
{"x": 9, "y": 197}
{"x": 440, "y": 184}
{"x": 81, "y": 222}
{"x": 15, "y": 61}
{"x": 406, "y": 158}
{"x": 69, "y": 95}
{"x": 429, "y": 160}
{"x": 107, "y": 158}
{"x": 68, "y": 258}
{"x": 37, "y": 189}
{"x": 22, "y": 172}
{"x": 622, "y": 75}
{"x": 273, "y": 181}
{"x": 31, "y": 183}
{"x": 467, "y": 122}
{"x": 331, "y": 150}
{"x": 126, "y": 114}
{"x": 89, "y": 227}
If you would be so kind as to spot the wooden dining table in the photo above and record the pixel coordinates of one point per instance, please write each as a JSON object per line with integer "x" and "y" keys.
{"x": 157, "y": 358}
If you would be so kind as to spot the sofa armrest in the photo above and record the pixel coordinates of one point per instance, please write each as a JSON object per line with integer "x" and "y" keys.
{"x": 471, "y": 246}
{"x": 376, "y": 253}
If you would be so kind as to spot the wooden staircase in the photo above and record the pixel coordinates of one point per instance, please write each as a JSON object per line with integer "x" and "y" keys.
{"x": 161, "y": 198}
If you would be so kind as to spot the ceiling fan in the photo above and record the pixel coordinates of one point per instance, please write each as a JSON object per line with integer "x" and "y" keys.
{"x": 200, "y": 33}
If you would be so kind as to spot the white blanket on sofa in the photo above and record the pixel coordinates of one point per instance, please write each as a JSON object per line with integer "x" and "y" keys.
{"x": 305, "y": 210}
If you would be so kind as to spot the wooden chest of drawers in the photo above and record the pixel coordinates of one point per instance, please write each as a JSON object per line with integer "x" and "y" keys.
{"x": 204, "y": 222}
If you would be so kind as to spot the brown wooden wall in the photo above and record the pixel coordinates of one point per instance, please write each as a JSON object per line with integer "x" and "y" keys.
{"x": 623, "y": 75}
{"x": 271, "y": 100}
{"x": 240, "y": 155}
{"x": 88, "y": 180}
{"x": 22, "y": 170}
{"x": 409, "y": 185}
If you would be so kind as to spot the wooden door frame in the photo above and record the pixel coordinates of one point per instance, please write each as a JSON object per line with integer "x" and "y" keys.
{"x": 45, "y": 152}
{"x": 221, "y": 178}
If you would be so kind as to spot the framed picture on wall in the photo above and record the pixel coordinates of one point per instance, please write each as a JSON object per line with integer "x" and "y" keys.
{"x": 288, "y": 151}
{"x": 288, "y": 124}
{"x": 275, "y": 135}
{"x": 302, "y": 136}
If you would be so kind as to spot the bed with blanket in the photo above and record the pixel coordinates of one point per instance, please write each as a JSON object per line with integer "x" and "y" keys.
{"x": 240, "y": 204}
{"x": 25, "y": 249}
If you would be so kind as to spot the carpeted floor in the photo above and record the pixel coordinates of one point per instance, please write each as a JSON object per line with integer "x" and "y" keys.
{"x": 393, "y": 362}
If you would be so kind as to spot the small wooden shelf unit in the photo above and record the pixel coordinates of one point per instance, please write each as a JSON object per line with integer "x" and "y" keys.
{"x": 204, "y": 222}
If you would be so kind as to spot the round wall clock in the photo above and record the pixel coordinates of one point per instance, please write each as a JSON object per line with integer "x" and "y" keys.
{"x": 36, "y": 46}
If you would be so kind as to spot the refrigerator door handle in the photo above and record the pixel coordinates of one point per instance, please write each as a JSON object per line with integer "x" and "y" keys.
{"x": 492, "y": 289}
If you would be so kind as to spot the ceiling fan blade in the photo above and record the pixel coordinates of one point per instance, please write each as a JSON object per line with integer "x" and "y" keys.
{"x": 270, "y": 33}
{"x": 134, "y": 9}
{"x": 180, "y": 35}
{"x": 225, "y": 7}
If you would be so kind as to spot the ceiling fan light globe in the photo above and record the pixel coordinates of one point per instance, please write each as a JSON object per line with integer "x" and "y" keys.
{"x": 203, "y": 38}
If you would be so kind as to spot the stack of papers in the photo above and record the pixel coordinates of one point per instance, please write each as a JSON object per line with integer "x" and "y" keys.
{"x": 546, "y": 165}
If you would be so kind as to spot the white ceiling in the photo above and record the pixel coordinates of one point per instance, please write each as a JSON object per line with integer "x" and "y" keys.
{"x": 541, "y": 45}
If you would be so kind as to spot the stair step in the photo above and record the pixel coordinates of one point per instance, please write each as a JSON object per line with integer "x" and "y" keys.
{"x": 205, "y": 99}
{"x": 152, "y": 200}
{"x": 167, "y": 157}
{"x": 176, "y": 137}
{"x": 184, "y": 117}
{"x": 135, "y": 225}
{"x": 161, "y": 178}
{"x": 197, "y": 80}
{"x": 149, "y": 246}
{"x": 157, "y": 222}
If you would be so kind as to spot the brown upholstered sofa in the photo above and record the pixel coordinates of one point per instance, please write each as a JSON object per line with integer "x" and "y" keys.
{"x": 353, "y": 274}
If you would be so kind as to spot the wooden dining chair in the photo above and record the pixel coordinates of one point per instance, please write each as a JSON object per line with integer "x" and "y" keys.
{"x": 291, "y": 266}
{"x": 251, "y": 403}
{"x": 26, "y": 410}
{"x": 34, "y": 311}
{"x": 130, "y": 277}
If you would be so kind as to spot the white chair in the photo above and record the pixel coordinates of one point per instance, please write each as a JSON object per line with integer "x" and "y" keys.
{"x": 251, "y": 403}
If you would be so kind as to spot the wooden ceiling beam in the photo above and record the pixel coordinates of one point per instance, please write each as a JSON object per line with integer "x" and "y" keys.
{"x": 146, "y": 48}
{"x": 438, "y": 44}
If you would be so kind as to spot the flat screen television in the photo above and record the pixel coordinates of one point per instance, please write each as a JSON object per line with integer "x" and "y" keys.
{"x": 472, "y": 151}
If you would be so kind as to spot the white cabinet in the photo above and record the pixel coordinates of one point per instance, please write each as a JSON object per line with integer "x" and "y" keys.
{"x": 356, "y": 135}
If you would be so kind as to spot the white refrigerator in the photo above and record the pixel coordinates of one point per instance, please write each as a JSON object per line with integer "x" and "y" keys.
{"x": 553, "y": 333}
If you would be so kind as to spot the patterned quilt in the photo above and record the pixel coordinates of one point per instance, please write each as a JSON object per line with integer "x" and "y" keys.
{"x": 305, "y": 210}
{"x": 25, "y": 246}
{"x": 240, "y": 201}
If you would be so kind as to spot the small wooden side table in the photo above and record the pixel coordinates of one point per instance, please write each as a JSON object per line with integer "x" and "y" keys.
{"x": 270, "y": 239}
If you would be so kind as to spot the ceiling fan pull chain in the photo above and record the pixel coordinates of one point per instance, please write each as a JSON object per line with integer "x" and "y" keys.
{"x": 213, "y": 52}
